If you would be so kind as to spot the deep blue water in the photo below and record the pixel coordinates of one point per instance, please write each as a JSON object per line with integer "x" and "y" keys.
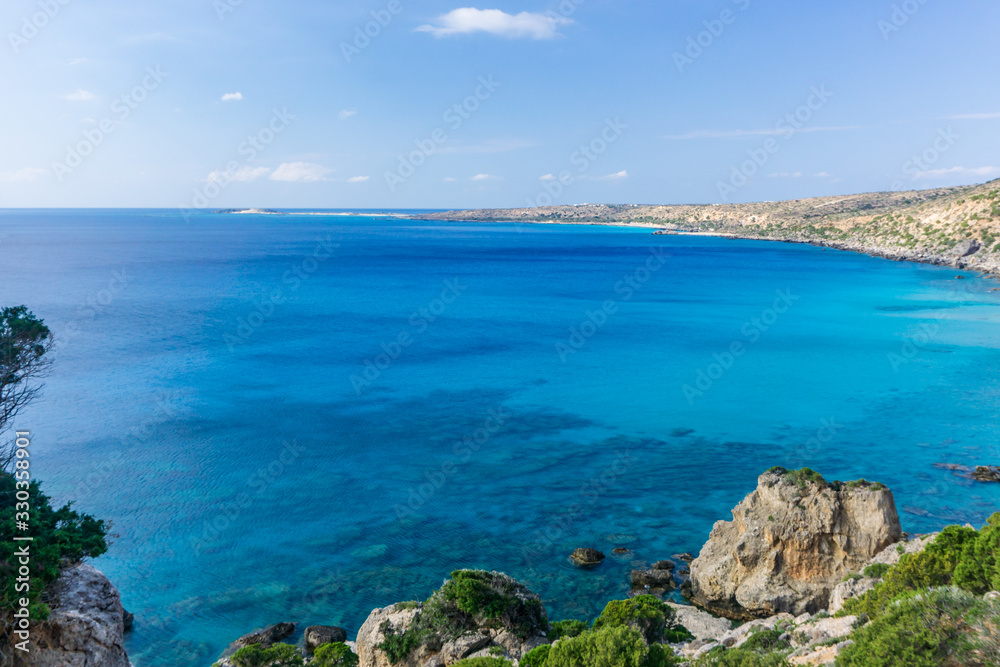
{"x": 251, "y": 480}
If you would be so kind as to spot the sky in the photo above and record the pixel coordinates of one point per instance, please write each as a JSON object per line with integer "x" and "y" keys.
{"x": 208, "y": 104}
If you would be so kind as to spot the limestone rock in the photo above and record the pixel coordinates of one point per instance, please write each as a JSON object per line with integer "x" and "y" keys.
{"x": 791, "y": 541}
{"x": 272, "y": 634}
{"x": 737, "y": 636}
{"x": 392, "y": 620}
{"x": 586, "y": 557}
{"x": 818, "y": 631}
{"x": 892, "y": 553}
{"x": 701, "y": 624}
{"x": 86, "y": 627}
{"x": 825, "y": 655}
{"x": 656, "y": 580}
{"x": 966, "y": 248}
{"x": 846, "y": 590}
{"x": 317, "y": 635}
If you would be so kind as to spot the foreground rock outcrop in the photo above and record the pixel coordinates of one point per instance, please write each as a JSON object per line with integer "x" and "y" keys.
{"x": 86, "y": 626}
{"x": 790, "y": 542}
{"x": 475, "y": 614}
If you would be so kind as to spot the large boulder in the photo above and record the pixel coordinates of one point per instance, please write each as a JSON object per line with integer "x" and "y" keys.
{"x": 790, "y": 543}
{"x": 85, "y": 627}
{"x": 317, "y": 635}
{"x": 475, "y": 613}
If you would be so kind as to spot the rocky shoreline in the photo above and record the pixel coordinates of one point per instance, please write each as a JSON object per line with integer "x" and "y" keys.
{"x": 797, "y": 551}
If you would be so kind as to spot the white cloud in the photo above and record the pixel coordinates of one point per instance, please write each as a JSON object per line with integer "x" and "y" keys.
{"x": 21, "y": 175}
{"x": 975, "y": 116}
{"x": 358, "y": 179}
{"x": 305, "y": 172}
{"x": 620, "y": 176}
{"x": 80, "y": 95}
{"x": 468, "y": 20}
{"x": 243, "y": 175}
{"x": 449, "y": 179}
{"x": 771, "y": 132}
{"x": 232, "y": 97}
{"x": 347, "y": 113}
{"x": 959, "y": 171}
{"x": 77, "y": 61}
{"x": 485, "y": 177}
{"x": 787, "y": 174}
{"x": 547, "y": 177}
{"x": 823, "y": 174}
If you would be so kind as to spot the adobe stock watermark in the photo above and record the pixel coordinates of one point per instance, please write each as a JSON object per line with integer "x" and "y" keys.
{"x": 32, "y": 25}
{"x": 914, "y": 344}
{"x": 254, "y": 145}
{"x": 714, "y": 28}
{"x": 900, "y": 16}
{"x": 825, "y": 434}
{"x": 365, "y": 34}
{"x": 923, "y": 161}
{"x": 752, "y": 331}
{"x": 122, "y": 108}
{"x": 454, "y": 117}
{"x": 582, "y": 159}
{"x": 626, "y": 289}
{"x": 224, "y": 7}
{"x": 418, "y": 323}
{"x": 95, "y": 305}
{"x": 786, "y": 128}
{"x": 293, "y": 279}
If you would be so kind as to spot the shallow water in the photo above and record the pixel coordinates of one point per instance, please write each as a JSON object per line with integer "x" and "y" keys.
{"x": 251, "y": 481}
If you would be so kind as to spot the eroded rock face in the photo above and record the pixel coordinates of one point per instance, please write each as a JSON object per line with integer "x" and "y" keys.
{"x": 317, "y": 635}
{"x": 86, "y": 627}
{"x": 790, "y": 543}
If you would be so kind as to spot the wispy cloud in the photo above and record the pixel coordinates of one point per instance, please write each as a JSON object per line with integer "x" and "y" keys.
{"x": 300, "y": 172}
{"x": 958, "y": 171}
{"x": 80, "y": 95}
{"x": 232, "y": 97}
{"x": 485, "y": 177}
{"x": 547, "y": 177}
{"x": 469, "y": 20}
{"x": 620, "y": 176}
{"x": 769, "y": 132}
{"x": 975, "y": 116}
{"x": 77, "y": 61}
{"x": 786, "y": 174}
{"x": 491, "y": 146}
{"x": 449, "y": 179}
{"x": 347, "y": 113}
{"x": 21, "y": 175}
{"x": 358, "y": 179}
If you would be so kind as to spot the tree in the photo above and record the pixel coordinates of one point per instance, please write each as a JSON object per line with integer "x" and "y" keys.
{"x": 24, "y": 343}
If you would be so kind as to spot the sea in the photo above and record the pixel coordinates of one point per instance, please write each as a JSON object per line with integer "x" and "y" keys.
{"x": 302, "y": 417}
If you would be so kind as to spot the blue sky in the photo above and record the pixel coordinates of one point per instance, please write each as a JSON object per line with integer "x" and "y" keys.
{"x": 225, "y": 103}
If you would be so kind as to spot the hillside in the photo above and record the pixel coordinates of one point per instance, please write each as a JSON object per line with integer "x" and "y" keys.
{"x": 949, "y": 226}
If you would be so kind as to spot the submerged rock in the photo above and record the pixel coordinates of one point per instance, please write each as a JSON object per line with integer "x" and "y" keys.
{"x": 656, "y": 580}
{"x": 86, "y": 625}
{"x": 586, "y": 557}
{"x": 791, "y": 541}
{"x": 272, "y": 634}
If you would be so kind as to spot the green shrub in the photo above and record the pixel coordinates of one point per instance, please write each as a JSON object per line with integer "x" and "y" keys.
{"x": 536, "y": 657}
{"x": 978, "y": 569}
{"x": 739, "y": 657}
{"x": 276, "y": 655}
{"x": 914, "y": 571}
{"x": 59, "y": 535}
{"x": 650, "y": 616}
{"x": 570, "y": 628}
{"x": 766, "y": 641}
{"x": 876, "y": 571}
{"x": 610, "y": 646}
{"x": 483, "y": 662}
{"x": 927, "y": 628}
{"x": 334, "y": 655}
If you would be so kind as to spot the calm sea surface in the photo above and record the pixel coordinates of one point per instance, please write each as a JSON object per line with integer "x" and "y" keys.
{"x": 300, "y": 418}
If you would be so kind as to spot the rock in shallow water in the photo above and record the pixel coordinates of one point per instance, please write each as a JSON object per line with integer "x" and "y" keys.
{"x": 587, "y": 557}
{"x": 317, "y": 635}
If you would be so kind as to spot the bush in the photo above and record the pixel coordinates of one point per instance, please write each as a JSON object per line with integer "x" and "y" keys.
{"x": 610, "y": 646}
{"x": 653, "y": 618}
{"x": 876, "y": 571}
{"x": 914, "y": 571}
{"x": 483, "y": 662}
{"x": 766, "y": 641}
{"x": 978, "y": 569}
{"x": 334, "y": 655}
{"x": 571, "y": 628}
{"x": 536, "y": 657}
{"x": 59, "y": 535}
{"x": 933, "y": 627}
{"x": 740, "y": 657}
{"x": 276, "y": 655}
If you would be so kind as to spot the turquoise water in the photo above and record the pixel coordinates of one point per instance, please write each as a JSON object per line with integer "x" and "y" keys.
{"x": 251, "y": 480}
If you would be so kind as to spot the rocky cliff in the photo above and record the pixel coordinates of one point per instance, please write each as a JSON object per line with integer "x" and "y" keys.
{"x": 791, "y": 541}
